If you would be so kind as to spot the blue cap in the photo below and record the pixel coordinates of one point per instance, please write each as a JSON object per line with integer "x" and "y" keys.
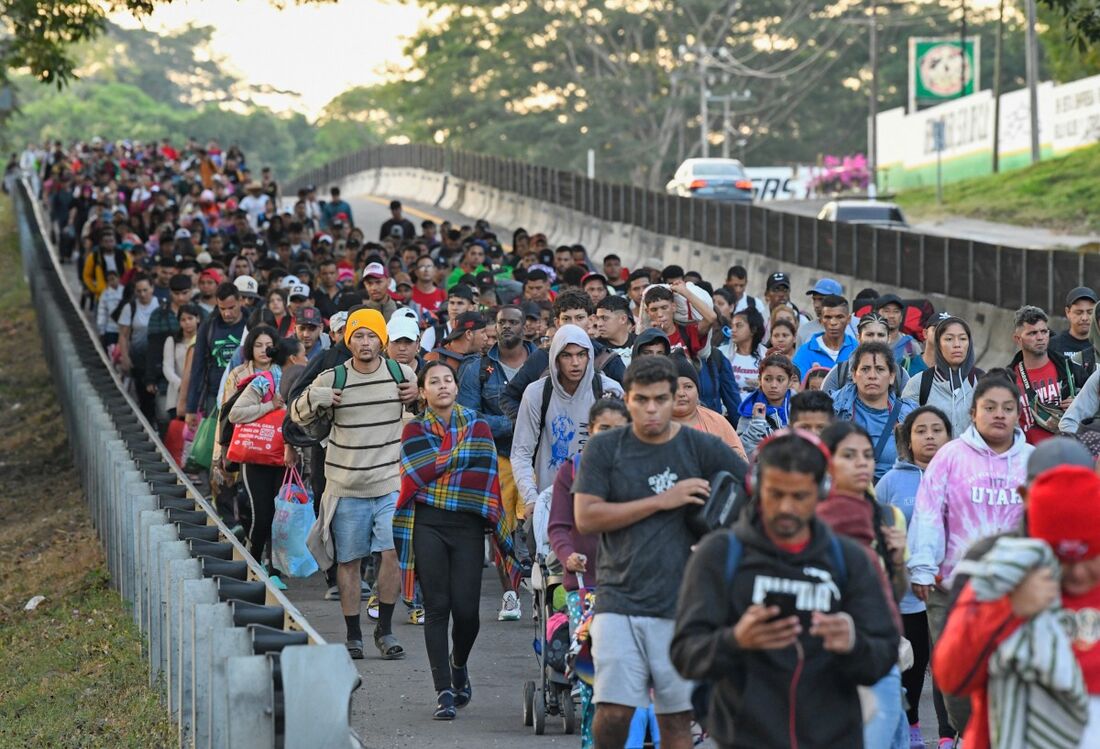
{"x": 827, "y": 287}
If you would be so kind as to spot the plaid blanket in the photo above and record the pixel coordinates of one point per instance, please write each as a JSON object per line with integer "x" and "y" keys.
{"x": 453, "y": 467}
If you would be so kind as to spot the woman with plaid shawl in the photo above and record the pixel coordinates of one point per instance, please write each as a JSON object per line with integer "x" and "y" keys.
{"x": 450, "y": 493}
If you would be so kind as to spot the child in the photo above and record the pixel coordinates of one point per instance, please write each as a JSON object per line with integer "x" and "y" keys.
{"x": 768, "y": 407}
{"x": 109, "y": 299}
{"x": 815, "y": 378}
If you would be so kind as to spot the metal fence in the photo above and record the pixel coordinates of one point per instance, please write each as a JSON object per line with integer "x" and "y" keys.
{"x": 1000, "y": 275}
{"x": 235, "y": 663}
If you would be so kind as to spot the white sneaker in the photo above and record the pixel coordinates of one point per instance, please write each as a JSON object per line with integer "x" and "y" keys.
{"x": 509, "y": 608}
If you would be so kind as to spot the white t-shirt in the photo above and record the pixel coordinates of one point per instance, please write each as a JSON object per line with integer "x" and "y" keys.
{"x": 256, "y": 205}
{"x": 746, "y": 370}
{"x": 139, "y": 322}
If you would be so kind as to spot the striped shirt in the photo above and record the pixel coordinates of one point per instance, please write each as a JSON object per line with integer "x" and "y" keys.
{"x": 364, "y": 446}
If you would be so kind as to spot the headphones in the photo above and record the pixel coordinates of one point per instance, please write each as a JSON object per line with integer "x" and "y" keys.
{"x": 752, "y": 476}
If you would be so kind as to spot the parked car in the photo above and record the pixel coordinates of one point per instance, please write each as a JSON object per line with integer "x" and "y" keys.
{"x": 716, "y": 179}
{"x": 875, "y": 212}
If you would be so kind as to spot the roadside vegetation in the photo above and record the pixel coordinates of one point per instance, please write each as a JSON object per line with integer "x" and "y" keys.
{"x": 71, "y": 670}
{"x": 1060, "y": 194}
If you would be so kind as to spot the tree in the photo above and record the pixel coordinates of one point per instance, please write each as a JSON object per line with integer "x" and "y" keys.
{"x": 1081, "y": 20}
{"x": 39, "y": 35}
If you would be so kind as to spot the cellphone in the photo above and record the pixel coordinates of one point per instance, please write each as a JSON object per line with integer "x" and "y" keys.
{"x": 785, "y": 602}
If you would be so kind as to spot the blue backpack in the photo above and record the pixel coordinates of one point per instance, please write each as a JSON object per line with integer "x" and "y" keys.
{"x": 700, "y": 695}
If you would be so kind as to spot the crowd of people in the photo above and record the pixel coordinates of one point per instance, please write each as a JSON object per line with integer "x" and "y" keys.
{"x": 446, "y": 390}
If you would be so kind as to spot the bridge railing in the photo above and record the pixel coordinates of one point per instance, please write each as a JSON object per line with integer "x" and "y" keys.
{"x": 235, "y": 662}
{"x": 1002, "y": 275}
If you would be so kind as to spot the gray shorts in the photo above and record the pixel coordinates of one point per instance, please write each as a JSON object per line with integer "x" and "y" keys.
{"x": 362, "y": 526}
{"x": 631, "y": 657}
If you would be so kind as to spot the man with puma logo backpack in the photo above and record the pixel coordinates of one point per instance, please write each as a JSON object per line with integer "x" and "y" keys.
{"x": 779, "y": 619}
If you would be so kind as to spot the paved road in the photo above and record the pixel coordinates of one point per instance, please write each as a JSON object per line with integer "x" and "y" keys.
{"x": 966, "y": 228}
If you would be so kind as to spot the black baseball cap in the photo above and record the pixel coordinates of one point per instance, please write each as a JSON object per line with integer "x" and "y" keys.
{"x": 531, "y": 310}
{"x": 466, "y": 321}
{"x": 885, "y": 299}
{"x": 179, "y": 282}
{"x": 1081, "y": 292}
{"x": 779, "y": 278}
{"x": 463, "y": 291}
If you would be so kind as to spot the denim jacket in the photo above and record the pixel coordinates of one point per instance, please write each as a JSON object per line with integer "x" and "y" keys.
{"x": 486, "y": 399}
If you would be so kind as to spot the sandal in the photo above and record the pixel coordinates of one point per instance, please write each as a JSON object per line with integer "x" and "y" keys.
{"x": 388, "y": 646}
{"x": 460, "y": 677}
{"x": 355, "y": 649}
{"x": 445, "y": 709}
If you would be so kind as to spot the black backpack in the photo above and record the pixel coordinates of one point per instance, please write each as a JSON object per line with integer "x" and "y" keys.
{"x": 313, "y": 434}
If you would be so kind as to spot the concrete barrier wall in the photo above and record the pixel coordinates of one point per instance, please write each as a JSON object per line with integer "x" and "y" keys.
{"x": 992, "y": 326}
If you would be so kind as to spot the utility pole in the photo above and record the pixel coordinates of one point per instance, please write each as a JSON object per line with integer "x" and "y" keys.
{"x": 962, "y": 54}
{"x": 997, "y": 50}
{"x": 726, "y": 127}
{"x": 872, "y": 126}
{"x": 704, "y": 114}
{"x": 1032, "y": 60}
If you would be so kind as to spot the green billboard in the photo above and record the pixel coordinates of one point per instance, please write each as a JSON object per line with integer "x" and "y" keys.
{"x": 942, "y": 69}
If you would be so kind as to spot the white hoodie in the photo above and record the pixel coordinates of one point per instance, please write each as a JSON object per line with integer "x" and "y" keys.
{"x": 566, "y": 427}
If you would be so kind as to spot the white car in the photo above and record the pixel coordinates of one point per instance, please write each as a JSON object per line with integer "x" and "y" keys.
{"x": 716, "y": 179}
{"x": 874, "y": 212}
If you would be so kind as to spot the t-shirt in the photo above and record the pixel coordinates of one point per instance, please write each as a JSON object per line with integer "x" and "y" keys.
{"x": 876, "y": 421}
{"x": 429, "y": 302}
{"x": 746, "y": 370}
{"x": 1064, "y": 343}
{"x": 640, "y": 566}
{"x": 1080, "y": 616}
{"x": 138, "y": 321}
{"x": 693, "y": 344}
{"x": 1044, "y": 381}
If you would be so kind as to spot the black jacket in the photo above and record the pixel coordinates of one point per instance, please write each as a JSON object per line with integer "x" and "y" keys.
{"x": 536, "y": 366}
{"x": 750, "y": 702}
{"x": 1071, "y": 375}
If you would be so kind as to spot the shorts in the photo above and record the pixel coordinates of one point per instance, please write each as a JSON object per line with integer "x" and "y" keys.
{"x": 631, "y": 656}
{"x": 362, "y": 526}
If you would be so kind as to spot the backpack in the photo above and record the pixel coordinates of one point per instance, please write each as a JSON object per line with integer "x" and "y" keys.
{"x": 700, "y": 695}
{"x": 914, "y": 312}
{"x": 311, "y": 435}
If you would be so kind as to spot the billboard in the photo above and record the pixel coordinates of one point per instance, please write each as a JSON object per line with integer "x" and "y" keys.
{"x": 942, "y": 69}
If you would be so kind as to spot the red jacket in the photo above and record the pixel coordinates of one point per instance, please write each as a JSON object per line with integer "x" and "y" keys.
{"x": 960, "y": 662}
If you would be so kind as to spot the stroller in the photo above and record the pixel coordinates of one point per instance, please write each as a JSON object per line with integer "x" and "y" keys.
{"x": 552, "y": 694}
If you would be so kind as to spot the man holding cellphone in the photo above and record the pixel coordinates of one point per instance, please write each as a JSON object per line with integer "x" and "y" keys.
{"x": 782, "y": 618}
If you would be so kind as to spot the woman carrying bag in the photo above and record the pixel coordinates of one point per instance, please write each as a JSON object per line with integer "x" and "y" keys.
{"x": 450, "y": 493}
{"x": 257, "y": 398}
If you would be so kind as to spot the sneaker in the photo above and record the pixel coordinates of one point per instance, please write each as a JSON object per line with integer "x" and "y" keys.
{"x": 279, "y": 584}
{"x": 372, "y": 606}
{"x": 916, "y": 740}
{"x": 946, "y": 744}
{"x": 416, "y": 615}
{"x": 445, "y": 706}
{"x": 364, "y": 591}
{"x": 509, "y": 608}
{"x": 333, "y": 593}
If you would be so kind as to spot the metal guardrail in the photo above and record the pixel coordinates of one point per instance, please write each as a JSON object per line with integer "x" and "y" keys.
{"x": 235, "y": 662}
{"x": 1000, "y": 275}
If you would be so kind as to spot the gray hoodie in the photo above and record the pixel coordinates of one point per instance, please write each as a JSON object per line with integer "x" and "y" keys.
{"x": 1084, "y": 406}
{"x": 952, "y": 389}
{"x": 566, "y": 427}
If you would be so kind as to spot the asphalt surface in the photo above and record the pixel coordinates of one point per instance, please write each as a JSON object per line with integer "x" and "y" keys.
{"x": 393, "y": 707}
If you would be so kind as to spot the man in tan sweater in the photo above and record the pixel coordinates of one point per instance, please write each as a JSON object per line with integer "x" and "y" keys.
{"x": 362, "y": 471}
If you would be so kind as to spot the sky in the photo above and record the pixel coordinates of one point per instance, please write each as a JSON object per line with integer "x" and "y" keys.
{"x": 318, "y": 50}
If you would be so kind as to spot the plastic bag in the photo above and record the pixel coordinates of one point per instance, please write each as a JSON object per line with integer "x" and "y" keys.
{"x": 202, "y": 447}
{"x": 293, "y": 519}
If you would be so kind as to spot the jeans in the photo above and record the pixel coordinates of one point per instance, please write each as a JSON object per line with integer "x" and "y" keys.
{"x": 888, "y": 729}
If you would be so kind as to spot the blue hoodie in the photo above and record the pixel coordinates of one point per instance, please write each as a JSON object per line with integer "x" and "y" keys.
{"x": 848, "y": 407}
{"x": 812, "y": 352}
{"x": 899, "y": 488}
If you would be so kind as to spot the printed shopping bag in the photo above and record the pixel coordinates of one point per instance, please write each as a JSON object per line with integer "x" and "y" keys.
{"x": 290, "y": 527}
{"x": 259, "y": 442}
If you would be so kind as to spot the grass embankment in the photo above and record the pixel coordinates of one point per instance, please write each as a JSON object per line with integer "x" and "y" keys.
{"x": 1060, "y": 194}
{"x": 71, "y": 671}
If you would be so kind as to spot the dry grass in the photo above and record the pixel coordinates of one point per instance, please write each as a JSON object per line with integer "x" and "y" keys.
{"x": 71, "y": 671}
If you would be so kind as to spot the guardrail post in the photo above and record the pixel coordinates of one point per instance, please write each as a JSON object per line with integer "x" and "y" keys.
{"x": 228, "y": 643}
{"x": 250, "y": 695}
{"x": 179, "y": 571}
{"x": 317, "y": 684}
{"x": 147, "y": 520}
{"x": 198, "y": 592}
{"x": 209, "y": 620}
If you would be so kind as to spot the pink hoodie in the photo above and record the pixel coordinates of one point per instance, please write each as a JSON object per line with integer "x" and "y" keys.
{"x": 968, "y": 492}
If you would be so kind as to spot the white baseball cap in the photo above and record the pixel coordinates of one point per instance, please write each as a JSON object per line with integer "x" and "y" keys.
{"x": 182, "y": 233}
{"x": 337, "y": 322}
{"x": 247, "y": 286}
{"x": 298, "y": 289}
{"x": 374, "y": 270}
{"x": 287, "y": 281}
{"x": 402, "y": 326}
